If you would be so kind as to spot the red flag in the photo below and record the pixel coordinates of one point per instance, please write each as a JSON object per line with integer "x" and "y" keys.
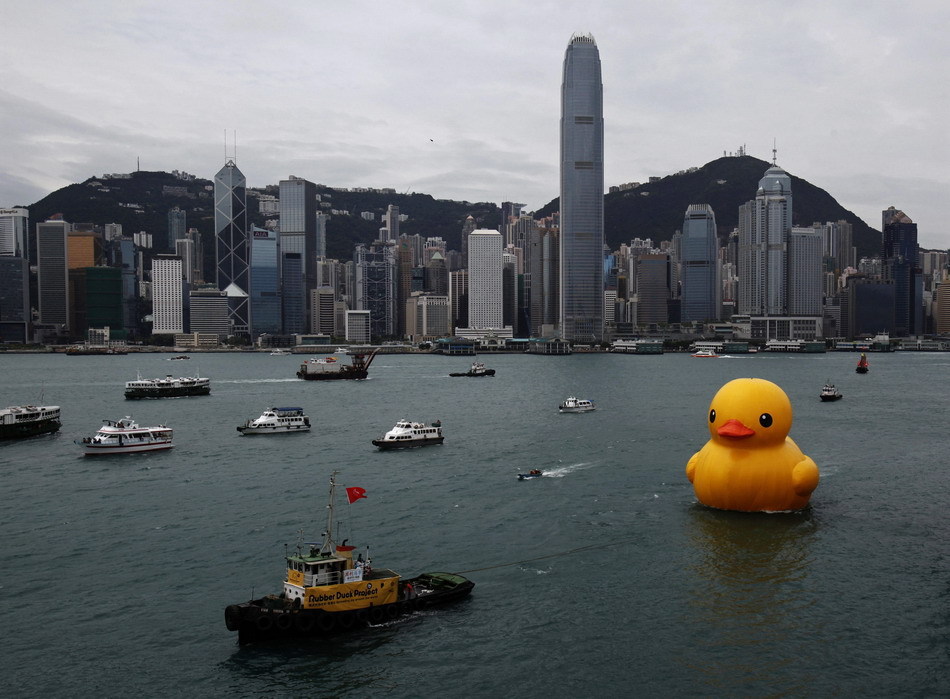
{"x": 353, "y": 494}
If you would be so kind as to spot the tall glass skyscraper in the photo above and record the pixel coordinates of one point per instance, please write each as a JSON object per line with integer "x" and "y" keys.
{"x": 900, "y": 256}
{"x": 699, "y": 248}
{"x": 764, "y": 226}
{"x": 231, "y": 245}
{"x": 265, "y": 282}
{"x": 582, "y": 194}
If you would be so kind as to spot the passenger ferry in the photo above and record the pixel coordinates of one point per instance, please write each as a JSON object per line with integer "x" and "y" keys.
{"x": 277, "y": 421}
{"x": 576, "y": 405}
{"x": 411, "y": 434}
{"x": 126, "y": 437}
{"x": 326, "y": 591}
{"x": 169, "y": 387}
{"x": 28, "y": 420}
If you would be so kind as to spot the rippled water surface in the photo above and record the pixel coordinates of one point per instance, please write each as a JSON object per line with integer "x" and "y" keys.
{"x": 603, "y": 578}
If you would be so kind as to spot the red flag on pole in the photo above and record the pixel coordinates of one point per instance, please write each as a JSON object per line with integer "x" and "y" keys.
{"x": 353, "y": 494}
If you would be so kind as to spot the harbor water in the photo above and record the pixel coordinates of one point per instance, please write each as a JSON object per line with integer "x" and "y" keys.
{"x": 605, "y": 577}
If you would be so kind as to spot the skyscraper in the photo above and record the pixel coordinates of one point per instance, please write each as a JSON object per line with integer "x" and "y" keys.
{"x": 298, "y": 234}
{"x": 177, "y": 226}
{"x": 14, "y": 224}
{"x": 168, "y": 294}
{"x": 52, "y": 278}
{"x": 485, "y": 293}
{"x": 764, "y": 225}
{"x": 900, "y": 254}
{"x": 265, "y": 282}
{"x": 231, "y": 244}
{"x": 582, "y": 193}
{"x": 699, "y": 248}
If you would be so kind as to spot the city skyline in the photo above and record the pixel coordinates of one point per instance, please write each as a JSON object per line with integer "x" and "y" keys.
{"x": 844, "y": 88}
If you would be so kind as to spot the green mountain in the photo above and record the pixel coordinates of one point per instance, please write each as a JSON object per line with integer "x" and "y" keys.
{"x": 656, "y": 209}
{"x": 141, "y": 201}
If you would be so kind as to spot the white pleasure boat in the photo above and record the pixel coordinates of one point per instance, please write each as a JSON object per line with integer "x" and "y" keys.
{"x": 411, "y": 434}
{"x": 576, "y": 405}
{"x": 277, "y": 421}
{"x": 126, "y": 437}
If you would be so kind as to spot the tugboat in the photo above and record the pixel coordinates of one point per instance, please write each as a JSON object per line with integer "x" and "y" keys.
{"x": 277, "y": 421}
{"x": 169, "y": 387}
{"x": 829, "y": 393}
{"x": 28, "y": 420}
{"x": 576, "y": 405}
{"x": 862, "y": 367}
{"x": 326, "y": 592}
{"x": 478, "y": 369}
{"x": 533, "y": 473}
{"x": 411, "y": 434}
{"x": 327, "y": 368}
{"x": 126, "y": 437}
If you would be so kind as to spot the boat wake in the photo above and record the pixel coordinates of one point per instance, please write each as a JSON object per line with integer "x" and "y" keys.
{"x": 561, "y": 471}
{"x": 259, "y": 381}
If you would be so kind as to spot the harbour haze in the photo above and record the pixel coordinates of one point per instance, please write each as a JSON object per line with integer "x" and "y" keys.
{"x": 117, "y": 571}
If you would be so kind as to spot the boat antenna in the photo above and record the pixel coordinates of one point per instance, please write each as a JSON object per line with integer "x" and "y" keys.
{"x": 328, "y": 545}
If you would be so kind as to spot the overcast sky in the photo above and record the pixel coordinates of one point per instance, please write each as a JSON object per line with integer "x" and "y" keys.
{"x": 460, "y": 99}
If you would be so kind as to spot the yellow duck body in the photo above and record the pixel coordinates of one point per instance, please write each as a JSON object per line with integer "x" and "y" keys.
{"x": 750, "y": 463}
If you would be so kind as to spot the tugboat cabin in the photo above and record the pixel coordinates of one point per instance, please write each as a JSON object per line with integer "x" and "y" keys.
{"x": 325, "y": 569}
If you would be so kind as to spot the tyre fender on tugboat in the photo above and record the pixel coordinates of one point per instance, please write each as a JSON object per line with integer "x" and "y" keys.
{"x": 325, "y": 622}
{"x": 232, "y": 617}
{"x": 304, "y": 622}
{"x": 264, "y": 622}
{"x": 284, "y": 622}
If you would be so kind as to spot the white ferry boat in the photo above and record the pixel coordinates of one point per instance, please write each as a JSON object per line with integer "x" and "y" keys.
{"x": 576, "y": 405}
{"x": 169, "y": 387}
{"x": 126, "y": 437}
{"x": 28, "y": 420}
{"x": 705, "y": 353}
{"x": 279, "y": 353}
{"x": 411, "y": 434}
{"x": 277, "y": 421}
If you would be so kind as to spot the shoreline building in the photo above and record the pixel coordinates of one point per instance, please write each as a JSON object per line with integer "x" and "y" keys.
{"x": 298, "y": 235}
{"x": 265, "y": 282}
{"x": 899, "y": 255}
{"x": 485, "y": 286}
{"x": 52, "y": 272}
{"x": 582, "y": 194}
{"x": 231, "y": 245}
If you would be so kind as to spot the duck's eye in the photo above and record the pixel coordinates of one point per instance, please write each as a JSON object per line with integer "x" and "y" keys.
{"x": 712, "y": 415}
{"x": 765, "y": 420}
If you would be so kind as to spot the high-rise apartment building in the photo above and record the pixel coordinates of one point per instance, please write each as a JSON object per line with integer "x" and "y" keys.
{"x": 699, "y": 265}
{"x": 52, "y": 276}
{"x": 14, "y": 226}
{"x": 582, "y": 194}
{"x": 231, "y": 244}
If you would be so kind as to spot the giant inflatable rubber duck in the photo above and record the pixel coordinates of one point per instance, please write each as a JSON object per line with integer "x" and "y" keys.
{"x": 750, "y": 463}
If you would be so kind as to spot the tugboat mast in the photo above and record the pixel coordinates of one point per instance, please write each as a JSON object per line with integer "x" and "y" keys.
{"x": 329, "y": 547}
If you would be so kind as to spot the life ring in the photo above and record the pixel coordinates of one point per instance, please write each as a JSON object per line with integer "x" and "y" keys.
{"x": 304, "y": 622}
{"x": 284, "y": 622}
{"x": 264, "y": 622}
{"x": 232, "y": 617}
{"x": 376, "y": 615}
{"x": 326, "y": 622}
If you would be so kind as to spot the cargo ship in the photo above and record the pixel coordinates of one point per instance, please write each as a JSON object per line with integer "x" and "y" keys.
{"x": 329, "y": 368}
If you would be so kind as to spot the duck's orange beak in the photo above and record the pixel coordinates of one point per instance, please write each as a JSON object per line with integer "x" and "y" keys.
{"x": 735, "y": 430}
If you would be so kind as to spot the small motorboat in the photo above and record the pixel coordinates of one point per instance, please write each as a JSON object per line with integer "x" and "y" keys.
{"x": 576, "y": 405}
{"x": 533, "y": 473}
{"x": 829, "y": 393}
{"x": 705, "y": 353}
{"x": 178, "y": 357}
